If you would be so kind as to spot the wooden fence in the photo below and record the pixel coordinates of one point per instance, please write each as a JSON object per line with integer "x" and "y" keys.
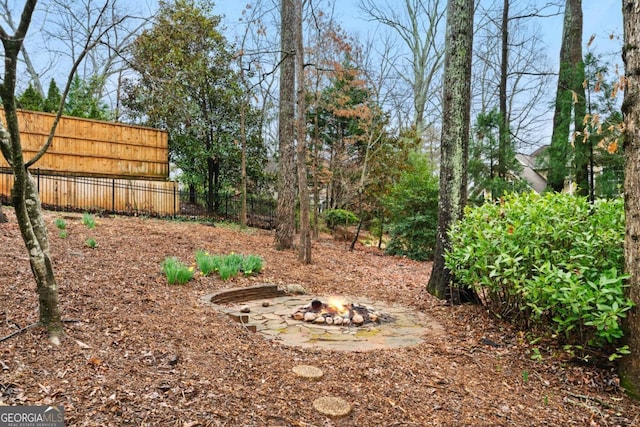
{"x": 95, "y": 148}
{"x": 113, "y": 195}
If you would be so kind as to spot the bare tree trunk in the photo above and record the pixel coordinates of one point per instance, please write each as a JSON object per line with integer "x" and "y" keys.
{"x": 285, "y": 228}
{"x": 304, "y": 251}
{"x": 243, "y": 158}
{"x": 630, "y": 365}
{"x": 455, "y": 137}
{"x": 3, "y": 217}
{"x": 504, "y": 138}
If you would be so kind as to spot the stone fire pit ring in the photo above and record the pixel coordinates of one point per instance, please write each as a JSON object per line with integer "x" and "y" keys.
{"x": 267, "y": 309}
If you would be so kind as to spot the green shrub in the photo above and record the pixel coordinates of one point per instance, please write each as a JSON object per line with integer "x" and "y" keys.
{"x": 91, "y": 242}
{"x": 61, "y": 224}
{"x": 176, "y": 271}
{"x": 339, "y": 218}
{"x": 551, "y": 263}
{"x": 412, "y": 209}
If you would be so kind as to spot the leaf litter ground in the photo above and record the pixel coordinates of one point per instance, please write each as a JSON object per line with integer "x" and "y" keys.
{"x": 138, "y": 352}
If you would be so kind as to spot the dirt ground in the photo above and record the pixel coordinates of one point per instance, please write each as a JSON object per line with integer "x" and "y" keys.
{"x": 138, "y": 352}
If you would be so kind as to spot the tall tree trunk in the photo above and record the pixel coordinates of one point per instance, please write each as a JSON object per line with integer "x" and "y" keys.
{"x": 455, "y": 136}
{"x": 285, "y": 228}
{"x": 570, "y": 81}
{"x": 304, "y": 251}
{"x": 630, "y": 365}
{"x": 503, "y": 129}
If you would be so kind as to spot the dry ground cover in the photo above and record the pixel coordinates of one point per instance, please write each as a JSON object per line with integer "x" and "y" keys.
{"x": 141, "y": 353}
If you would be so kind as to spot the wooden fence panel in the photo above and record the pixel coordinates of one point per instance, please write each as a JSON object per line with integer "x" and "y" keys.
{"x": 95, "y": 148}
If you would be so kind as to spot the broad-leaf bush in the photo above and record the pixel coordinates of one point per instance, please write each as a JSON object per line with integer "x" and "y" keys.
{"x": 412, "y": 210}
{"x": 339, "y": 218}
{"x": 552, "y": 263}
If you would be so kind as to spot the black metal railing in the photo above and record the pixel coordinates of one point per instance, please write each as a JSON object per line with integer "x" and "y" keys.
{"x": 62, "y": 192}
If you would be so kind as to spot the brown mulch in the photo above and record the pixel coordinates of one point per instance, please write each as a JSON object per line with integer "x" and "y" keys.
{"x": 138, "y": 352}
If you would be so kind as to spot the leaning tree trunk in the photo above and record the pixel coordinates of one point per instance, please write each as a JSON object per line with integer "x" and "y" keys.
{"x": 24, "y": 193}
{"x": 28, "y": 211}
{"x": 630, "y": 365}
{"x": 455, "y": 137}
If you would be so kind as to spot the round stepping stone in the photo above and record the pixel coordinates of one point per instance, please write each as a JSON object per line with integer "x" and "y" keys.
{"x": 307, "y": 371}
{"x": 332, "y": 406}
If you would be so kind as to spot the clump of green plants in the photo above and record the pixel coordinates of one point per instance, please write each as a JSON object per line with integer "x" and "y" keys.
{"x": 228, "y": 266}
{"x": 252, "y": 264}
{"x": 88, "y": 220}
{"x": 91, "y": 242}
{"x": 206, "y": 263}
{"x": 176, "y": 271}
{"x": 339, "y": 218}
{"x": 61, "y": 224}
{"x": 412, "y": 211}
{"x": 550, "y": 263}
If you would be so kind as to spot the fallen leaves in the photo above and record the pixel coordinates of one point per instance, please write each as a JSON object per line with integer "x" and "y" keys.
{"x": 147, "y": 354}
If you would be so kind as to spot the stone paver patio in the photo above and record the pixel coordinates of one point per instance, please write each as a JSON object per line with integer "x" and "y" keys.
{"x": 271, "y": 317}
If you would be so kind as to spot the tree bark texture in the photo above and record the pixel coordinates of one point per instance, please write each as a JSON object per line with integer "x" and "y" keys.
{"x": 304, "y": 250}
{"x": 285, "y": 227}
{"x": 455, "y": 136}
{"x": 630, "y": 365}
{"x": 569, "y": 93}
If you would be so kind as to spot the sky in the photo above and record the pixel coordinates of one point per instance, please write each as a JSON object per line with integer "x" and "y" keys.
{"x": 601, "y": 18}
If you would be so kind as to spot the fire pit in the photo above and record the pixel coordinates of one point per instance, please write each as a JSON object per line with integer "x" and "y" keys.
{"x": 365, "y": 325}
{"x": 337, "y": 311}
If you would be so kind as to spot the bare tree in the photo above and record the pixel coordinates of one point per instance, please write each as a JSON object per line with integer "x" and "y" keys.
{"x": 419, "y": 25}
{"x": 285, "y": 228}
{"x": 455, "y": 137}
{"x": 25, "y": 196}
{"x": 630, "y": 365}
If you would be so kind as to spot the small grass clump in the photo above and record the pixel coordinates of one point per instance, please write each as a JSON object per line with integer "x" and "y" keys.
{"x": 206, "y": 263}
{"x": 176, "y": 271}
{"x": 61, "y": 224}
{"x": 91, "y": 242}
{"x": 252, "y": 264}
{"x": 88, "y": 220}
{"x": 228, "y": 266}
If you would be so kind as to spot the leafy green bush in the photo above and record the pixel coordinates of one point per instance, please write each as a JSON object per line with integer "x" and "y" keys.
{"x": 339, "y": 217}
{"x": 552, "y": 263}
{"x": 176, "y": 271}
{"x": 412, "y": 209}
